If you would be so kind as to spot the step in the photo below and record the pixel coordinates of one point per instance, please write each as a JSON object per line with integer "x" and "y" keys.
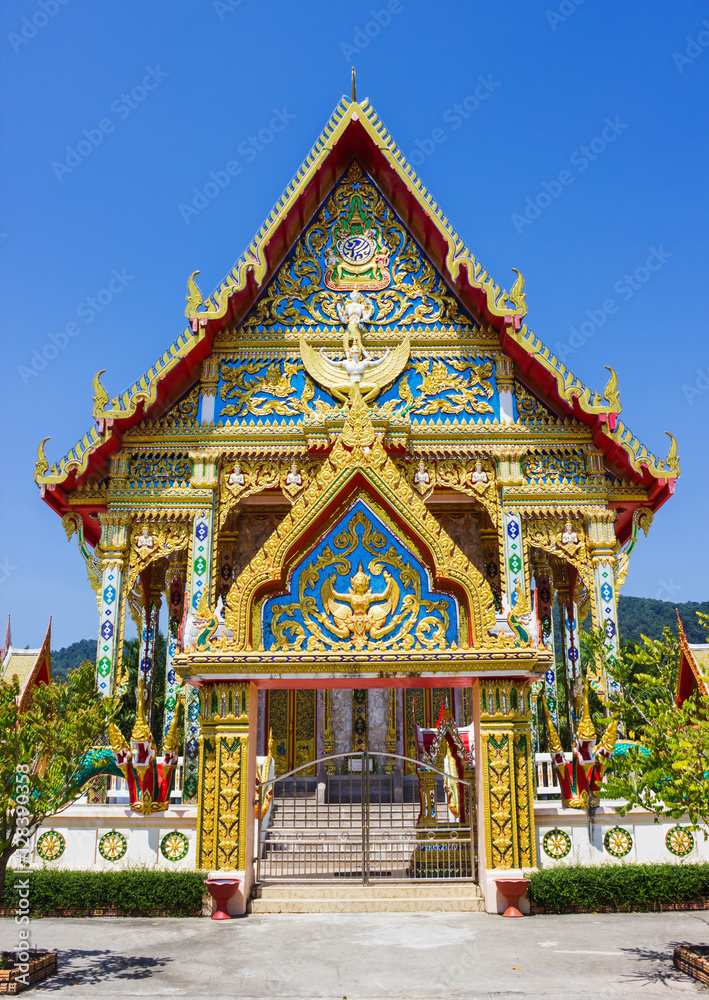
{"x": 354, "y": 898}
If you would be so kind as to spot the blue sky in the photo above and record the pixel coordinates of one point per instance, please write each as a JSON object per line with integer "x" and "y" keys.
{"x": 577, "y": 153}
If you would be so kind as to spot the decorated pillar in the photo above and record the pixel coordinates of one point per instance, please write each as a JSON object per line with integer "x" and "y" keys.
{"x": 114, "y": 540}
{"x": 601, "y": 542}
{"x": 568, "y": 619}
{"x": 545, "y": 605}
{"x": 227, "y": 779}
{"x": 175, "y": 595}
{"x": 513, "y": 548}
{"x": 506, "y": 776}
{"x": 199, "y": 583}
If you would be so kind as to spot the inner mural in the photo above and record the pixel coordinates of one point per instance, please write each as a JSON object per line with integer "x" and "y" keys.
{"x": 360, "y": 588}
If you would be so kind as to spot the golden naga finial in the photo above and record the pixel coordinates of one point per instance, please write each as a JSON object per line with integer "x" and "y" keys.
{"x": 116, "y": 739}
{"x": 672, "y": 459}
{"x": 643, "y": 517}
{"x": 586, "y": 729}
{"x": 172, "y": 740}
{"x": 41, "y": 465}
{"x": 194, "y": 296}
{"x": 608, "y": 739}
{"x": 354, "y": 87}
{"x": 611, "y": 391}
{"x": 554, "y": 741}
{"x": 100, "y": 397}
{"x": 517, "y": 293}
{"x": 141, "y": 729}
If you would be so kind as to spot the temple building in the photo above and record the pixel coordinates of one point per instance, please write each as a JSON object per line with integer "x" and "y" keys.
{"x": 350, "y": 493}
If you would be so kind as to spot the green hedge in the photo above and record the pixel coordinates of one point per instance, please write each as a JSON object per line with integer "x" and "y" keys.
{"x": 133, "y": 891}
{"x": 618, "y": 886}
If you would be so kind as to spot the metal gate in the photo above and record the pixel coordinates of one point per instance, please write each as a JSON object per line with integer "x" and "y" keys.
{"x": 361, "y": 818}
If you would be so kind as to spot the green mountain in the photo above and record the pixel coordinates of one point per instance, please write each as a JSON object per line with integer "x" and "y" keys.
{"x": 644, "y": 616}
{"x": 69, "y": 657}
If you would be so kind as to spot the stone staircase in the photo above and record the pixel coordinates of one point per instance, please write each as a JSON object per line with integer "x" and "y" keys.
{"x": 287, "y": 897}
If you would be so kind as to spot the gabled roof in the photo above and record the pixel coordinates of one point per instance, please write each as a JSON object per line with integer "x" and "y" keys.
{"x": 693, "y": 666}
{"x": 31, "y": 666}
{"x": 355, "y": 131}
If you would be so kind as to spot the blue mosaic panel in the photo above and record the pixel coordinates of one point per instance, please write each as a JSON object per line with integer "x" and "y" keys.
{"x": 360, "y": 588}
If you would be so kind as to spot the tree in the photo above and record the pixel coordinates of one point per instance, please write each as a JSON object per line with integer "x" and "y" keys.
{"x": 41, "y": 749}
{"x": 667, "y": 770}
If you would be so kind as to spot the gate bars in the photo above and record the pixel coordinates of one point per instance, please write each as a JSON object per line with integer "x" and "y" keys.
{"x": 361, "y": 819}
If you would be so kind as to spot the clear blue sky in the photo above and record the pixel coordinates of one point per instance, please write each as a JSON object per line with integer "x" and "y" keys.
{"x": 206, "y": 76}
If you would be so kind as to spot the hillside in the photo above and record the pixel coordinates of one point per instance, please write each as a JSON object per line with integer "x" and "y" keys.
{"x": 69, "y": 657}
{"x": 644, "y": 616}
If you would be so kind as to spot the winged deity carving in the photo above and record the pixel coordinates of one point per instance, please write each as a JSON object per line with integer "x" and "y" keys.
{"x": 358, "y": 368}
{"x": 364, "y": 614}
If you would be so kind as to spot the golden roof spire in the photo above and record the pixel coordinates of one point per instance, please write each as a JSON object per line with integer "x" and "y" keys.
{"x": 172, "y": 740}
{"x": 354, "y": 87}
{"x": 554, "y": 741}
{"x": 609, "y": 738}
{"x": 586, "y": 730}
{"x": 141, "y": 729}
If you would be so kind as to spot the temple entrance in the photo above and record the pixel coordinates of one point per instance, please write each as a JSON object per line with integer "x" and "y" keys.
{"x": 362, "y": 818}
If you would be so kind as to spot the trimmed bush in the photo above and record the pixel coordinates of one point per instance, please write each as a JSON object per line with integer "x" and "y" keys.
{"x": 618, "y": 886}
{"x": 131, "y": 891}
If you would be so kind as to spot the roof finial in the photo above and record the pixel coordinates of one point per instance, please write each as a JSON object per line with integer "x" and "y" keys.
{"x": 354, "y": 87}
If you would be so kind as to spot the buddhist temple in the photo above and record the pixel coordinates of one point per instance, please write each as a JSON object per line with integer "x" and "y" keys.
{"x": 350, "y": 493}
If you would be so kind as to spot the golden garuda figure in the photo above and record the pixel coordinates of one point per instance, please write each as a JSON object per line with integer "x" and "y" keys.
{"x": 364, "y": 614}
{"x": 357, "y": 369}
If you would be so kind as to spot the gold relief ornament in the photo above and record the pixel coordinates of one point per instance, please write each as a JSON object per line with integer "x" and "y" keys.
{"x": 423, "y": 481}
{"x": 358, "y": 368}
{"x": 568, "y": 540}
{"x": 358, "y": 257}
{"x": 358, "y": 446}
{"x": 294, "y": 479}
{"x": 244, "y": 478}
{"x": 251, "y": 397}
{"x": 473, "y": 478}
{"x": 444, "y": 392}
{"x": 149, "y": 542}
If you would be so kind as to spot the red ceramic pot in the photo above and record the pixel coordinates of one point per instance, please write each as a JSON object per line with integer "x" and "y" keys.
{"x": 221, "y": 890}
{"x": 512, "y": 889}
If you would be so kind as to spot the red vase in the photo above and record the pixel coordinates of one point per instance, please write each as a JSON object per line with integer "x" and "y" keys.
{"x": 221, "y": 890}
{"x": 512, "y": 889}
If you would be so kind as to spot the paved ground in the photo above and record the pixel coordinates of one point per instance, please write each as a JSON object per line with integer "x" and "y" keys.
{"x": 419, "y": 956}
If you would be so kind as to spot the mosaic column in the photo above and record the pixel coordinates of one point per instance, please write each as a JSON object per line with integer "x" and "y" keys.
{"x": 573, "y": 685}
{"x": 513, "y": 549}
{"x": 175, "y": 593}
{"x": 507, "y": 774}
{"x": 114, "y": 540}
{"x": 545, "y": 605}
{"x": 227, "y": 777}
{"x": 601, "y": 542}
{"x": 199, "y": 568}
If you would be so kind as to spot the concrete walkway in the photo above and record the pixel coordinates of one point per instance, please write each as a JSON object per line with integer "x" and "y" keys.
{"x": 417, "y": 956}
